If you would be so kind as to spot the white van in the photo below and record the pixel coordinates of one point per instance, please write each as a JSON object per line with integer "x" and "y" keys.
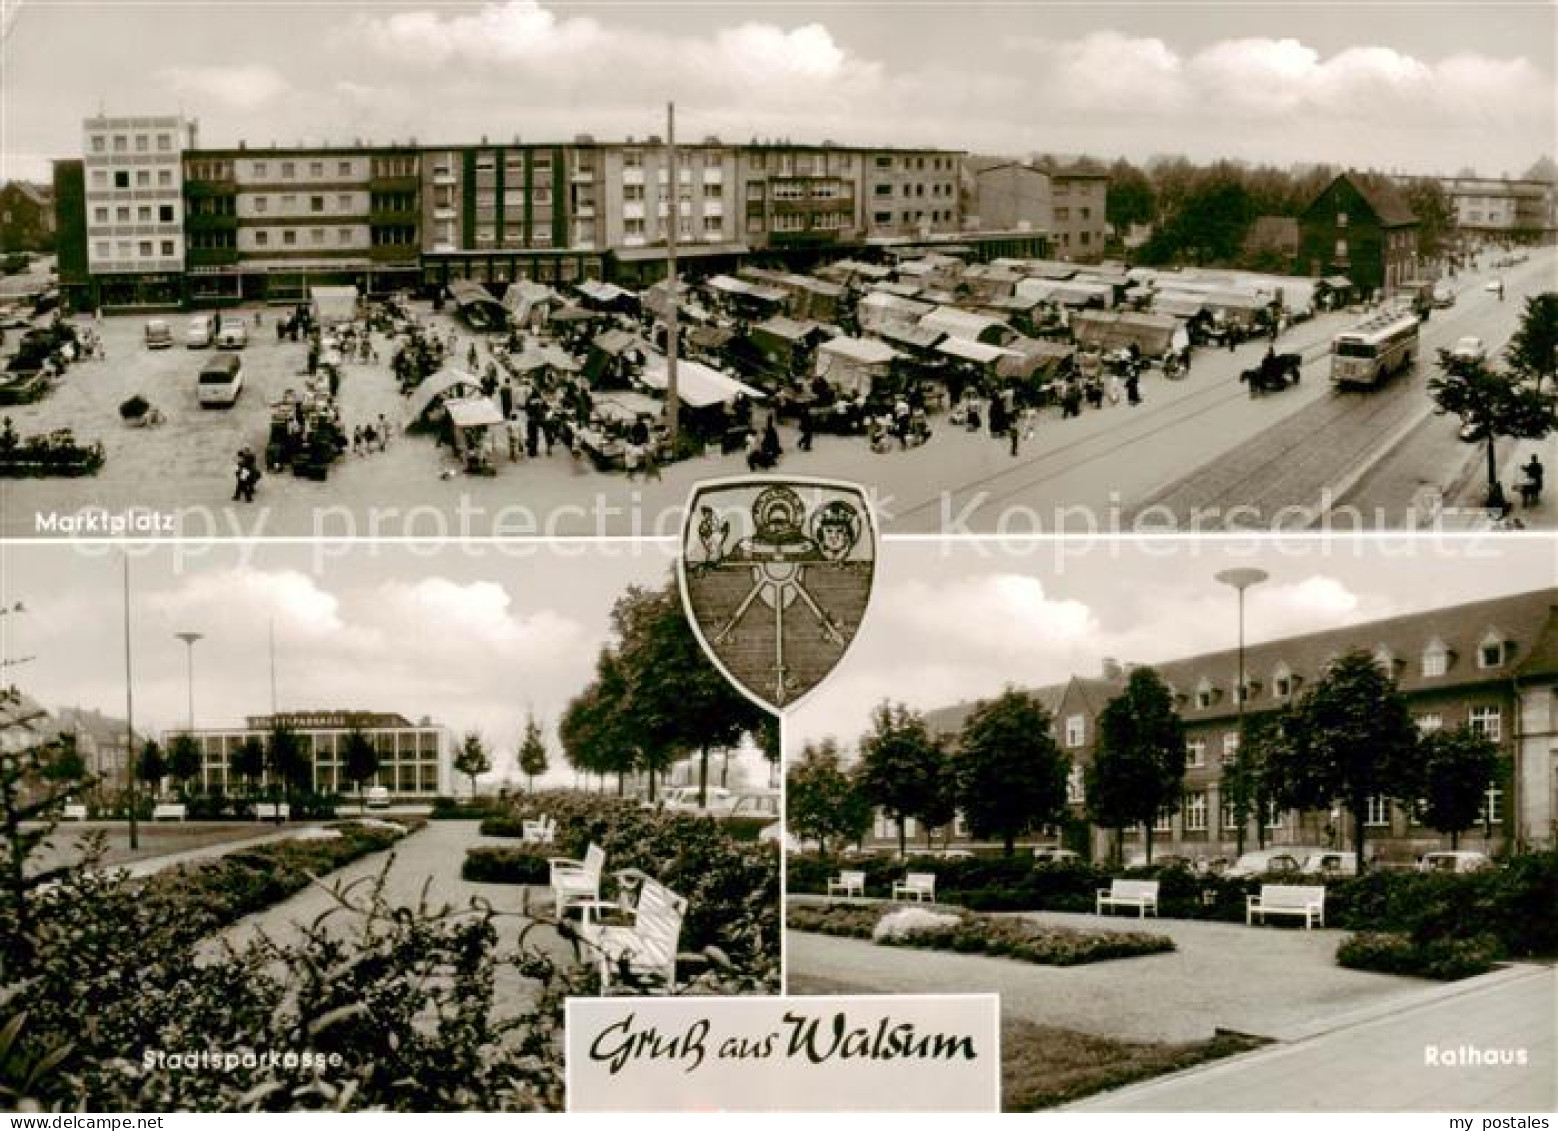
{"x": 221, "y": 380}
{"x": 377, "y": 797}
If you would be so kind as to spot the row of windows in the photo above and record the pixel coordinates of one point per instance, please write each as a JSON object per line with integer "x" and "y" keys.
{"x": 123, "y": 143}
{"x": 127, "y": 178}
{"x": 288, "y": 170}
{"x": 288, "y": 204}
{"x": 1063, "y": 214}
{"x": 936, "y": 217}
{"x": 144, "y": 214}
{"x": 914, "y": 188}
{"x": 889, "y": 161}
{"x": 103, "y": 250}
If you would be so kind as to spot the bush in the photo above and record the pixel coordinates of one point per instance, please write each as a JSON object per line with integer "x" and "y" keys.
{"x": 505, "y": 865}
{"x": 502, "y": 824}
{"x": 1446, "y": 959}
{"x": 970, "y": 933}
{"x": 465, "y": 809}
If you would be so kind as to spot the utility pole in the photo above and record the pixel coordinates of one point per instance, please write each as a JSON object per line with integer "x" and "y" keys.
{"x": 1242, "y": 579}
{"x": 273, "y": 667}
{"x": 129, "y": 712}
{"x": 673, "y": 221}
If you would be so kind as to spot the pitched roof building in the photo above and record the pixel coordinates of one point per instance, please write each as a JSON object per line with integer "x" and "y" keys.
{"x": 1361, "y": 227}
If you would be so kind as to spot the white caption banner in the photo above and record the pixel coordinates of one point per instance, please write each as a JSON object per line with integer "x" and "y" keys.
{"x": 921, "y": 1052}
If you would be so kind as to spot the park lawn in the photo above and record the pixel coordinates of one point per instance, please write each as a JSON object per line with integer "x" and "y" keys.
{"x": 1043, "y": 1066}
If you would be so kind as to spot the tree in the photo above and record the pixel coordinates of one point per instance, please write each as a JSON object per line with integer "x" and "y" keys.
{"x": 184, "y": 760}
{"x": 1130, "y": 198}
{"x": 288, "y": 763}
{"x": 1138, "y": 769}
{"x": 1458, "y": 766}
{"x": 532, "y": 752}
{"x": 821, "y": 800}
{"x": 64, "y": 762}
{"x": 1011, "y": 774}
{"x": 1435, "y": 213}
{"x": 1246, "y": 784}
{"x": 473, "y": 759}
{"x": 359, "y": 762}
{"x": 594, "y": 730}
{"x": 1491, "y": 404}
{"x": 1349, "y": 738}
{"x": 152, "y": 766}
{"x": 248, "y": 761}
{"x": 29, "y": 814}
{"x": 902, "y": 767}
{"x": 1533, "y": 351}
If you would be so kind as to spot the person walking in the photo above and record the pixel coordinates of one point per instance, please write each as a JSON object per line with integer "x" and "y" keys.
{"x": 1133, "y": 388}
{"x": 806, "y": 426}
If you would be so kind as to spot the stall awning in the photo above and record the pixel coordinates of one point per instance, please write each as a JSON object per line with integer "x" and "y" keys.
{"x": 964, "y": 324}
{"x": 334, "y": 304}
{"x": 1179, "y": 305}
{"x": 974, "y": 351}
{"x": 918, "y": 337}
{"x": 865, "y": 351}
{"x": 901, "y": 290}
{"x": 575, "y": 314}
{"x": 473, "y": 412}
{"x": 603, "y": 292}
{"x": 730, "y": 285}
{"x": 540, "y": 357}
{"x": 710, "y": 337}
{"x": 616, "y": 342}
{"x": 697, "y": 384}
{"x": 627, "y": 406}
{"x": 787, "y": 328}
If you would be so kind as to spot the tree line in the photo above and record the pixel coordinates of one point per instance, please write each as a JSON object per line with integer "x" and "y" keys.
{"x": 1344, "y": 742}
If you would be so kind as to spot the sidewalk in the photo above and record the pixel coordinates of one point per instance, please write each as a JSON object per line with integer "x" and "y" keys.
{"x": 1418, "y": 1058}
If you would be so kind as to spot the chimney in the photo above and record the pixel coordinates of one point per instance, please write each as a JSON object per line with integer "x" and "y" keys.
{"x": 1113, "y": 668}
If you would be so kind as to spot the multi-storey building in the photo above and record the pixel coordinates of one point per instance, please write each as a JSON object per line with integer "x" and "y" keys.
{"x": 1490, "y": 665}
{"x": 1078, "y": 212}
{"x": 26, "y": 217}
{"x": 1504, "y": 210}
{"x": 265, "y": 224}
{"x": 1012, "y": 196}
{"x": 415, "y": 759}
{"x": 910, "y": 192}
{"x": 133, "y": 208}
{"x": 502, "y": 213}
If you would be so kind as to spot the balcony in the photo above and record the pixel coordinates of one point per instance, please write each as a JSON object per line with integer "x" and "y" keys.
{"x": 632, "y": 176}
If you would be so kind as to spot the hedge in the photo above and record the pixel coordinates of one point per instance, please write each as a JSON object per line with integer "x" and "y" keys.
{"x": 505, "y": 865}
{"x": 1446, "y": 959}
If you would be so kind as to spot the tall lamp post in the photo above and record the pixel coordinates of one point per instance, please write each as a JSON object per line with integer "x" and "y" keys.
{"x": 1242, "y": 579}
{"x": 189, "y": 639}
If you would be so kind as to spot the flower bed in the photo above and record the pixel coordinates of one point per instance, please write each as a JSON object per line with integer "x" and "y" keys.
{"x": 966, "y": 932}
{"x": 1445, "y": 960}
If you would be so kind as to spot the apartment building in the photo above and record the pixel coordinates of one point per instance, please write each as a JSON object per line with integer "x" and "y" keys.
{"x": 415, "y": 759}
{"x": 911, "y": 192}
{"x": 265, "y": 224}
{"x": 1078, "y": 212}
{"x": 131, "y": 222}
{"x": 1490, "y": 665}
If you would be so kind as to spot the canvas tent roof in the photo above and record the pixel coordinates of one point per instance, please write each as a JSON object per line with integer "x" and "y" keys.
{"x": 787, "y": 328}
{"x": 603, "y": 292}
{"x": 865, "y": 351}
{"x": 334, "y": 304}
{"x": 473, "y": 412}
{"x": 974, "y": 351}
{"x": 919, "y": 337}
{"x": 439, "y": 386}
{"x": 963, "y": 323}
{"x": 697, "y": 384}
{"x": 616, "y": 342}
{"x": 730, "y": 285}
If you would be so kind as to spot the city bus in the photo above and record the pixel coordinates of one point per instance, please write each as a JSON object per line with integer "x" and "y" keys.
{"x": 1377, "y": 347}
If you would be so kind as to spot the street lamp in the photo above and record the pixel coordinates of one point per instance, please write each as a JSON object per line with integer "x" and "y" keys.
{"x": 189, "y": 639}
{"x": 1241, "y": 579}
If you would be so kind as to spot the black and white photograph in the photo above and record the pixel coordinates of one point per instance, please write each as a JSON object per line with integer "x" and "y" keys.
{"x": 406, "y": 270}
{"x": 1217, "y": 822}
{"x": 289, "y": 832}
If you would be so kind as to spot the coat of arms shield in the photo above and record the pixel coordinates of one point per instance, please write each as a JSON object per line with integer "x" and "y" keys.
{"x": 775, "y": 576}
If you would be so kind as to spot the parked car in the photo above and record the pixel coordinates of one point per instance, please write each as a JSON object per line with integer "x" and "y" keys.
{"x": 198, "y": 334}
{"x": 233, "y": 335}
{"x": 1051, "y": 854}
{"x": 1456, "y": 862}
{"x": 158, "y": 335}
{"x": 1469, "y": 349}
{"x": 684, "y": 799}
{"x": 220, "y": 382}
{"x": 377, "y": 797}
{"x": 1331, "y": 863}
{"x": 1159, "y": 860}
{"x": 1287, "y": 858}
{"x": 1444, "y": 294}
{"x": 752, "y": 804}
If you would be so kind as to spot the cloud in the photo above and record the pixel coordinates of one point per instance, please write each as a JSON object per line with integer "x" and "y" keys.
{"x": 239, "y": 88}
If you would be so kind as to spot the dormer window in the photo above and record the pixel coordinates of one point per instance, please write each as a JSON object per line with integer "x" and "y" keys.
{"x": 1436, "y": 659}
{"x": 1385, "y": 660}
{"x": 1206, "y": 694}
{"x": 1492, "y": 652}
{"x": 1282, "y": 682}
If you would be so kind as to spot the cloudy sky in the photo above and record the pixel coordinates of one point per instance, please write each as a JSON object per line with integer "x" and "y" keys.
{"x": 1422, "y": 87}
{"x": 960, "y": 621}
{"x": 468, "y": 636}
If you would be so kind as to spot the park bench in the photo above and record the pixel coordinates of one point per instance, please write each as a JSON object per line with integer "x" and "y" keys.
{"x": 847, "y": 884}
{"x": 576, "y": 881}
{"x": 916, "y": 886}
{"x": 75, "y": 813}
{"x": 272, "y": 810}
{"x": 644, "y": 948}
{"x": 1304, "y": 900}
{"x": 169, "y": 811}
{"x": 542, "y": 831}
{"x": 1140, "y": 894}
